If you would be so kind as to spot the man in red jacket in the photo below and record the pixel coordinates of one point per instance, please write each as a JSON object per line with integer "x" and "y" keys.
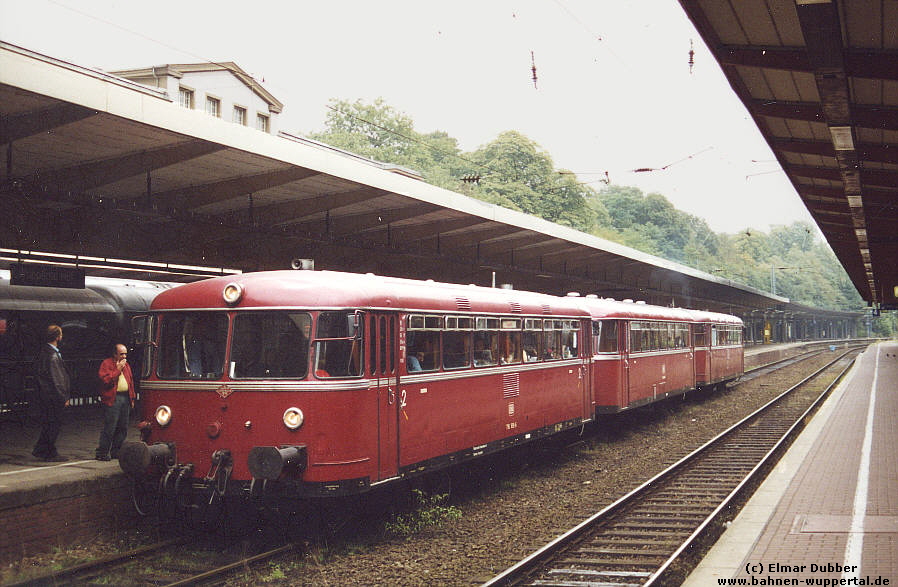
{"x": 117, "y": 394}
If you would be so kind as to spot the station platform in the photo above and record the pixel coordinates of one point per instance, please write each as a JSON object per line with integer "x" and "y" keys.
{"x": 77, "y": 441}
{"x": 828, "y": 512}
{"x": 763, "y": 354}
{"x": 45, "y": 505}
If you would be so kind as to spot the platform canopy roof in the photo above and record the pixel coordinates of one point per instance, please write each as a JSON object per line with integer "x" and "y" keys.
{"x": 820, "y": 79}
{"x": 98, "y": 166}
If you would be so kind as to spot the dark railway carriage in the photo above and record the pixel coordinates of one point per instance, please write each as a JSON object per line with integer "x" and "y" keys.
{"x": 332, "y": 382}
{"x": 92, "y": 318}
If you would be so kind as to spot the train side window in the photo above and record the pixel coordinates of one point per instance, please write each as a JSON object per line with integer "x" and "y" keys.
{"x": 682, "y": 335}
{"x": 382, "y": 362}
{"x": 486, "y": 342}
{"x": 663, "y": 336}
{"x": 423, "y": 343}
{"x": 372, "y": 347}
{"x": 607, "y": 337}
{"x": 339, "y": 344}
{"x": 510, "y": 341}
{"x": 485, "y": 348}
{"x": 552, "y": 339}
{"x": 457, "y": 342}
{"x": 570, "y": 336}
{"x": 531, "y": 340}
{"x": 635, "y": 337}
{"x": 423, "y": 350}
{"x": 699, "y": 336}
{"x": 270, "y": 344}
{"x": 390, "y": 340}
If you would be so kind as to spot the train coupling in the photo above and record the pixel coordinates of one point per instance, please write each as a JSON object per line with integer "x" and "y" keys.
{"x": 270, "y": 462}
{"x": 220, "y": 471}
{"x": 135, "y": 458}
{"x": 176, "y": 480}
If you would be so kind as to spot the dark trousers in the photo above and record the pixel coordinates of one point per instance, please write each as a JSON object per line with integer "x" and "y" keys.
{"x": 51, "y": 423}
{"x": 115, "y": 425}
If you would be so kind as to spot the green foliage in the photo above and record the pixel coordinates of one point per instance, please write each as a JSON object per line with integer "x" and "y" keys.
{"x": 514, "y": 172}
{"x": 650, "y": 223}
{"x": 275, "y": 573}
{"x": 428, "y": 511}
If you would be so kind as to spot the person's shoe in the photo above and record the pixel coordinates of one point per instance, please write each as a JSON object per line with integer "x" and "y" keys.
{"x": 102, "y": 458}
{"x": 39, "y": 455}
{"x": 57, "y": 458}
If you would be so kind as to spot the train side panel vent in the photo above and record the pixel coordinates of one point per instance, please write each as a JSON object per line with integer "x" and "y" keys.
{"x": 463, "y": 304}
{"x": 511, "y": 385}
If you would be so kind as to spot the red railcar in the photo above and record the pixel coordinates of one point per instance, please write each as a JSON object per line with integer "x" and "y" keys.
{"x": 644, "y": 353}
{"x": 323, "y": 383}
{"x": 334, "y": 382}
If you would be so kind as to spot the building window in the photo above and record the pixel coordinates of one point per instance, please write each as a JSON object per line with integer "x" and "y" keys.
{"x": 239, "y": 115}
{"x": 213, "y": 106}
{"x": 185, "y": 98}
{"x": 262, "y": 122}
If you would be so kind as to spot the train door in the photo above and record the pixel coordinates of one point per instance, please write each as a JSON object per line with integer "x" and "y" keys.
{"x": 586, "y": 351}
{"x": 382, "y": 356}
{"x": 701, "y": 353}
{"x": 623, "y": 333}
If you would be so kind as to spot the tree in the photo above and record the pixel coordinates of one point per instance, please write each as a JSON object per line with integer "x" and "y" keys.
{"x": 515, "y": 169}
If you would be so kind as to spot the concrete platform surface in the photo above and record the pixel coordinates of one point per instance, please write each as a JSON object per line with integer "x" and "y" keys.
{"x": 829, "y": 510}
{"x": 22, "y": 473}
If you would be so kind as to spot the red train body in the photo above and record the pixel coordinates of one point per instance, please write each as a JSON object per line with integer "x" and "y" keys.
{"x": 324, "y": 383}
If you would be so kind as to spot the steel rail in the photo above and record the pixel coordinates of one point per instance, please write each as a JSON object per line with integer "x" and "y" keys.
{"x": 529, "y": 566}
{"x": 63, "y": 575}
{"x": 225, "y": 569}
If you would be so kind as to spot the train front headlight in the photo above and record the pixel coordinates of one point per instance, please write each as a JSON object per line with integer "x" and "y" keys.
{"x": 232, "y": 293}
{"x": 163, "y": 415}
{"x": 293, "y": 418}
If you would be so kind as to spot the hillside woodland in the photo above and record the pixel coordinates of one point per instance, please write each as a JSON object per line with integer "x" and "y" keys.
{"x": 514, "y": 172}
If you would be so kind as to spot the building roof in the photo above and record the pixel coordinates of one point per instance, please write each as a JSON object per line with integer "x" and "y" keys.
{"x": 179, "y": 69}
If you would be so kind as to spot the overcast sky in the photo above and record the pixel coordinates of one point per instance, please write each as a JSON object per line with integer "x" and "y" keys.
{"x": 614, "y": 90}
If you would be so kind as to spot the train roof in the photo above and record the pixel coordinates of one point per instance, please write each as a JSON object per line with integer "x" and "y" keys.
{"x": 337, "y": 290}
{"x": 100, "y": 294}
{"x": 600, "y": 308}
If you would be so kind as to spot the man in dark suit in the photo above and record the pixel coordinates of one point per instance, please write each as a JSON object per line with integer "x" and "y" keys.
{"x": 53, "y": 394}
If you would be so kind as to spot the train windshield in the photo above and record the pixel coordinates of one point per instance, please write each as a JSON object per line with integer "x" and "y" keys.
{"x": 270, "y": 344}
{"x": 192, "y": 345}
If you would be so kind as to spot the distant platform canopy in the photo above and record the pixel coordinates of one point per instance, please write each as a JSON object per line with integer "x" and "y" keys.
{"x": 819, "y": 79}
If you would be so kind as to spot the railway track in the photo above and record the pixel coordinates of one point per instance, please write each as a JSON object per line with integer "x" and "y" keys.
{"x": 166, "y": 563}
{"x": 638, "y": 539}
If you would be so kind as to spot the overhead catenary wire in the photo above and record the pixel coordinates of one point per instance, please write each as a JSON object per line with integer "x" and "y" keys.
{"x": 666, "y": 167}
{"x": 135, "y": 33}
